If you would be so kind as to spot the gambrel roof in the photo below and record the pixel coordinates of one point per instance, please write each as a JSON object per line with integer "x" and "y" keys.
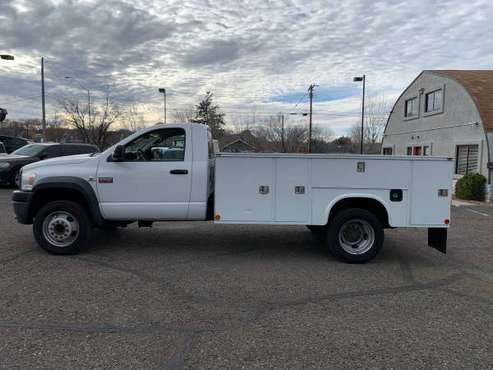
{"x": 479, "y": 85}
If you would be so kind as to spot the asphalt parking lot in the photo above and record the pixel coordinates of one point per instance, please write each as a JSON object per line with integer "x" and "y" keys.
{"x": 192, "y": 295}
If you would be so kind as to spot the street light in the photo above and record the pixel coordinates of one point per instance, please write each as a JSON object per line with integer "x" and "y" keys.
{"x": 163, "y": 91}
{"x": 6, "y": 57}
{"x": 362, "y": 79}
{"x": 88, "y": 94}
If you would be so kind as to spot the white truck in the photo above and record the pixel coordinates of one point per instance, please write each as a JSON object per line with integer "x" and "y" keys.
{"x": 171, "y": 172}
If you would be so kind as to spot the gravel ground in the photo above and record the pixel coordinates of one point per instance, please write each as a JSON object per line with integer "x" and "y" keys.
{"x": 195, "y": 295}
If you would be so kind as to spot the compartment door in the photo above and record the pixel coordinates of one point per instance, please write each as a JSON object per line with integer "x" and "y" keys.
{"x": 427, "y": 207}
{"x": 292, "y": 190}
{"x": 238, "y": 195}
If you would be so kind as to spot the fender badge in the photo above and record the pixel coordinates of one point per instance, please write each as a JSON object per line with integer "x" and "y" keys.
{"x": 105, "y": 180}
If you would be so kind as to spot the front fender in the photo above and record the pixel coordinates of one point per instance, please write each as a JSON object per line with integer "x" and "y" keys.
{"x": 73, "y": 183}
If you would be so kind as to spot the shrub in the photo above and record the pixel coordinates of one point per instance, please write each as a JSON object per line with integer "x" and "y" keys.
{"x": 471, "y": 187}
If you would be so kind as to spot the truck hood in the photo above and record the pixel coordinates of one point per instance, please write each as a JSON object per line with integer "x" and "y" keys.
{"x": 67, "y": 160}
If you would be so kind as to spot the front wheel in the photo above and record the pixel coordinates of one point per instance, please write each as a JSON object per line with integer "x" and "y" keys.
{"x": 62, "y": 227}
{"x": 355, "y": 235}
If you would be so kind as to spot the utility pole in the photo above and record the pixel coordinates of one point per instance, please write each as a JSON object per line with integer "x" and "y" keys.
{"x": 310, "y": 92}
{"x": 43, "y": 99}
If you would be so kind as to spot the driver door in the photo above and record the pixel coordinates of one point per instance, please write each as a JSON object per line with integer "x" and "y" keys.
{"x": 152, "y": 182}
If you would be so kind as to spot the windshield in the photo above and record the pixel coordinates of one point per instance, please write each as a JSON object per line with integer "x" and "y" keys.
{"x": 30, "y": 150}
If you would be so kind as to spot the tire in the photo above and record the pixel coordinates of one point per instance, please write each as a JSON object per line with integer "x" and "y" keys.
{"x": 62, "y": 227}
{"x": 355, "y": 235}
{"x": 14, "y": 179}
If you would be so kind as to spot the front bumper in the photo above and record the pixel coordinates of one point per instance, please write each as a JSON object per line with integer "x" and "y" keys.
{"x": 21, "y": 200}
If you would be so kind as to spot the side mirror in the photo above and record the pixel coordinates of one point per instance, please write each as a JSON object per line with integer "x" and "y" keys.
{"x": 118, "y": 153}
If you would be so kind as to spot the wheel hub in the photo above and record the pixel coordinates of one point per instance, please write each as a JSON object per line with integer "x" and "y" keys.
{"x": 60, "y": 229}
{"x": 356, "y": 236}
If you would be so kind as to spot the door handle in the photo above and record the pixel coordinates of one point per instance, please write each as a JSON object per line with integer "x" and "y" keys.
{"x": 178, "y": 172}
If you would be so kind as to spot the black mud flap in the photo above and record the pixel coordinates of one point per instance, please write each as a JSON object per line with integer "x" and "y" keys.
{"x": 437, "y": 238}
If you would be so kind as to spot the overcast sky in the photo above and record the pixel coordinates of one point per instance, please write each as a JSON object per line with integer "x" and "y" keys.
{"x": 256, "y": 56}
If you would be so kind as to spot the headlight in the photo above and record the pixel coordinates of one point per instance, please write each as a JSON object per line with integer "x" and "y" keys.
{"x": 28, "y": 180}
{"x": 4, "y": 165}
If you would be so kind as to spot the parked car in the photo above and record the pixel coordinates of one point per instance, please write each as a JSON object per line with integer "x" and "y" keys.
{"x": 346, "y": 200}
{"x": 3, "y": 152}
{"x": 13, "y": 143}
{"x": 11, "y": 164}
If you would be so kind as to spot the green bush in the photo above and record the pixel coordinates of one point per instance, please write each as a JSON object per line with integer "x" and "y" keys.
{"x": 471, "y": 187}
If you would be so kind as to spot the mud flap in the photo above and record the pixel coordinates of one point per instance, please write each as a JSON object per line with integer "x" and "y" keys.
{"x": 437, "y": 238}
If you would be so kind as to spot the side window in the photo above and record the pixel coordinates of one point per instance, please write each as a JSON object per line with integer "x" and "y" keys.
{"x": 433, "y": 101}
{"x": 411, "y": 107}
{"x": 166, "y": 145}
{"x": 51, "y": 151}
{"x": 467, "y": 159}
{"x": 67, "y": 150}
{"x": 85, "y": 149}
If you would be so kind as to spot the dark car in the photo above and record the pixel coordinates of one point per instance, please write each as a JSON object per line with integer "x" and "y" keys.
{"x": 11, "y": 164}
{"x": 12, "y": 143}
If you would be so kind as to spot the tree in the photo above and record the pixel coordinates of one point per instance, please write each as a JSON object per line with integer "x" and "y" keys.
{"x": 93, "y": 125}
{"x": 132, "y": 119}
{"x": 377, "y": 110}
{"x": 207, "y": 113}
{"x": 184, "y": 116}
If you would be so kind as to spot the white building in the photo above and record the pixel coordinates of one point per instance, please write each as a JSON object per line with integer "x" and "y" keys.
{"x": 445, "y": 113}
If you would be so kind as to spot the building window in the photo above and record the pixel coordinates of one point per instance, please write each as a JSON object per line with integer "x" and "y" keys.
{"x": 467, "y": 159}
{"x": 387, "y": 151}
{"x": 433, "y": 101}
{"x": 426, "y": 150}
{"x": 409, "y": 150}
{"x": 417, "y": 150}
{"x": 411, "y": 108}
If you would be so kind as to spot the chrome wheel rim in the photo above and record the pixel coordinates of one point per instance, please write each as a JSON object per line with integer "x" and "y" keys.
{"x": 60, "y": 229}
{"x": 356, "y": 236}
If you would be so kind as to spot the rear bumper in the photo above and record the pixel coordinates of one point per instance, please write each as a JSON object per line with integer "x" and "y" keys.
{"x": 21, "y": 201}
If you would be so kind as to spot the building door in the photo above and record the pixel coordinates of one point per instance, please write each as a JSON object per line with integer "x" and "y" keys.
{"x": 417, "y": 150}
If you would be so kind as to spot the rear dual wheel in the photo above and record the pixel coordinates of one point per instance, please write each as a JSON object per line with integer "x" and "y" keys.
{"x": 355, "y": 235}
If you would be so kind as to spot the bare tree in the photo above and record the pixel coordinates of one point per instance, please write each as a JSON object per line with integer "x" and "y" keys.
{"x": 132, "y": 119}
{"x": 184, "y": 116}
{"x": 377, "y": 110}
{"x": 93, "y": 126}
